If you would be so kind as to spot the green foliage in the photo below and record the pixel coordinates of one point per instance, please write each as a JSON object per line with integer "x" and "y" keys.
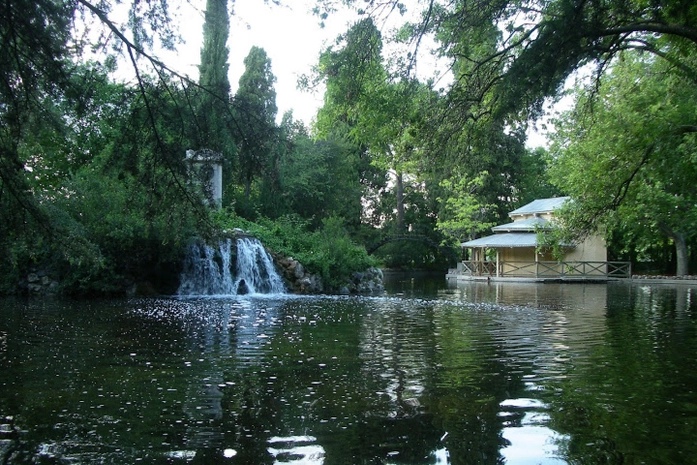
{"x": 552, "y": 240}
{"x": 359, "y": 105}
{"x": 351, "y": 73}
{"x": 510, "y": 55}
{"x": 255, "y": 111}
{"x": 462, "y": 214}
{"x": 414, "y": 243}
{"x": 110, "y": 204}
{"x": 626, "y": 154}
{"x": 315, "y": 179}
{"x": 33, "y": 65}
{"x": 381, "y": 115}
{"x": 212, "y": 99}
{"x": 93, "y": 188}
{"x": 534, "y": 182}
{"x": 213, "y": 69}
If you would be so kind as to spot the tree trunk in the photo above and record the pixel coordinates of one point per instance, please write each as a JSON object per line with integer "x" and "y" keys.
{"x": 399, "y": 196}
{"x": 681, "y": 256}
{"x": 247, "y": 189}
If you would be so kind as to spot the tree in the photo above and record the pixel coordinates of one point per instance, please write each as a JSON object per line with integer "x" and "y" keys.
{"x": 255, "y": 114}
{"x": 90, "y": 171}
{"x": 315, "y": 177}
{"x": 377, "y": 112}
{"x": 351, "y": 73}
{"x": 33, "y": 63}
{"x": 347, "y": 69}
{"x": 534, "y": 182}
{"x": 539, "y": 44}
{"x": 409, "y": 131}
{"x": 463, "y": 215}
{"x": 627, "y": 154}
{"x": 213, "y": 78}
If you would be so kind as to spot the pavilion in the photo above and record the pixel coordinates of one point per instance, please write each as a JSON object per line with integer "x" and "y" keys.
{"x": 513, "y": 251}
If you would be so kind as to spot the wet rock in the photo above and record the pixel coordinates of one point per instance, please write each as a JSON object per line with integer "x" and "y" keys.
{"x": 299, "y": 270}
{"x": 41, "y": 282}
{"x": 369, "y": 281}
{"x": 311, "y": 284}
{"x": 34, "y": 288}
{"x": 296, "y": 276}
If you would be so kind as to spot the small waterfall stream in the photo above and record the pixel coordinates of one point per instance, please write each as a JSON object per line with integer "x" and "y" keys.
{"x": 209, "y": 270}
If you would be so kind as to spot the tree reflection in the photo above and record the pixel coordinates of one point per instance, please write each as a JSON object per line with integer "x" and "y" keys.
{"x": 633, "y": 401}
{"x": 596, "y": 374}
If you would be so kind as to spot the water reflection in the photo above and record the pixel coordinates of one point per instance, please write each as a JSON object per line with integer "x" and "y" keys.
{"x": 480, "y": 374}
{"x": 299, "y": 449}
{"x": 396, "y": 349}
{"x": 529, "y": 438}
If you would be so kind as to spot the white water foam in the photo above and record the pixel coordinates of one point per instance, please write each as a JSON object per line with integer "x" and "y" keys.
{"x": 209, "y": 270}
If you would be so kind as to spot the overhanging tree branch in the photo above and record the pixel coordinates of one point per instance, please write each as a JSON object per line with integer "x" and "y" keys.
{"x": 677, "y": 30}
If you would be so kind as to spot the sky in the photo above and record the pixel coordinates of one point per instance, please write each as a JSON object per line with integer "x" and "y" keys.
{"x": 290, "y": 35}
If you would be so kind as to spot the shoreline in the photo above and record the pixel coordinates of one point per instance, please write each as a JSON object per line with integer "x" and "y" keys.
{"x": 637, "y": 279}
{"x": 690, "y": 280}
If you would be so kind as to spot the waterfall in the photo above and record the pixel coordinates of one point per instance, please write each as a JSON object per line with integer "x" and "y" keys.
{"x": 208, "y": 270}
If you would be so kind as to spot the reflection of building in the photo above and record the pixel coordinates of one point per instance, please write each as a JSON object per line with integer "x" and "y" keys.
{"x": 530, "y": 294}
{"x": 206, "y": 168}
{"x": 514, "y": 251}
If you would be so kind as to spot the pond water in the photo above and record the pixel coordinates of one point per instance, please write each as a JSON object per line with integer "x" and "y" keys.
{"x": 424, "y": 374}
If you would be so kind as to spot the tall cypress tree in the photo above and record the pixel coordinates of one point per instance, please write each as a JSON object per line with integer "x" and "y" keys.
{"x": 213, "y": 72}
{"x": 255, "y": 113}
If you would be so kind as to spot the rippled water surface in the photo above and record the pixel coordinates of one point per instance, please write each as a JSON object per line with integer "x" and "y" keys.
{"x": 425, "y": 374}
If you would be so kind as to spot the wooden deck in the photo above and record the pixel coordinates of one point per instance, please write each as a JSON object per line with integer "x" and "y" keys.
{"x": 541, "y": 271}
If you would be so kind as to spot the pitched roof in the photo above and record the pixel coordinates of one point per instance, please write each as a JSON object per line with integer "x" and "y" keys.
{"x": 527, "y": 225}
{"x": 520, "y": 233}
{"x": 540, "y": 206}
{"x": 514, "y": 239}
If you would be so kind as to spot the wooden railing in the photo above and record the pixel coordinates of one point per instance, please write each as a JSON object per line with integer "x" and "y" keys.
{"x": 548, "y": 269}
{"x": 479, "y": 268}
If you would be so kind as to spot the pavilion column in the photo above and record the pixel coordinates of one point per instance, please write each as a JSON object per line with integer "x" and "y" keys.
{"x": 498, "y": 270}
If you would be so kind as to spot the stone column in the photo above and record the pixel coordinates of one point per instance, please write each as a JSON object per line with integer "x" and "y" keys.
{"x": 206, "y": 168}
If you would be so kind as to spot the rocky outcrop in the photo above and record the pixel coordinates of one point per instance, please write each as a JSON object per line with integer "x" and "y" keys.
{"x": 302, "y": 282}
{"x": 369, "y": 281}
{"x": 297, "y": 277}
{"x": 39, "y": 281}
